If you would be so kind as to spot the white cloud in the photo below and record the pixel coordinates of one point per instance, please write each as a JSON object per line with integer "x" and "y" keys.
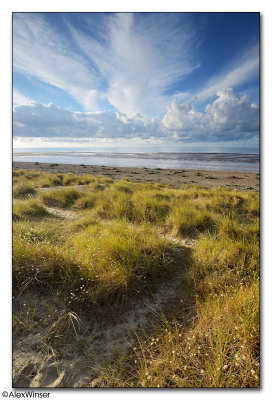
{"x": 234, "y": 113}
{"x": 19, "y": 98}
{"x": 41, "y": 52}
{"x": 244, "y": 69}
{"x": 229, "y": 117}
{"x": 37, "y": 120}
{"x": 128, "y": 60}
{"x": 149, "y": 56}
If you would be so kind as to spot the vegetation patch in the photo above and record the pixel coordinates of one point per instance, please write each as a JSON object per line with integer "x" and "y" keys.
{"x": 60, "y": 198}
{"x": 23, "y": 191}
{"x": 28, "y": 209}
{"x": 131, "y": 242}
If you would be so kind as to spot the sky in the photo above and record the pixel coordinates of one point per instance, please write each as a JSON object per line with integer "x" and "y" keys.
{"x": 142, "y": 79}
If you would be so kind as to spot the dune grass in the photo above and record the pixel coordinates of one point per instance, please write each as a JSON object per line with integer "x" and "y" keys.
{"x": 126, "y": 241}
{"x": 28, "y": 209}
{"x": 60, "y": 198}
{"x": 220, "y": 347}
{"x": 112, "y": 261}
{"x": 23, "y": 190}
{"x": 40, "y": 179}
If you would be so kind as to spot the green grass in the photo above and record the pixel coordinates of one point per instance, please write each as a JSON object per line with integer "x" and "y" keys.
{"x": 126, "y": 241}
{"x": 115, "y": 260}
{"x": 86, "y": 200}
{"x": 187, "y": 220}
{"x": 120, "y": 258}
{"x": 60, "y": 198}
{"x": 39, "y": 179}
{"x": 28, "y": 209}
{"x": 23, "y": 190}
{"x": 220, "y": 347}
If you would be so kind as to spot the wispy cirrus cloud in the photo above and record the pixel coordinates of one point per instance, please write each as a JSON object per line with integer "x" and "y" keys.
{"x": 130, "y": 61}
{"x": 140, "y": 58}
{"x": 19, "y": 98}
{"x": 242, "y": 70}
{"x": 234, "y": 75}
{"x": 42, "y": 52}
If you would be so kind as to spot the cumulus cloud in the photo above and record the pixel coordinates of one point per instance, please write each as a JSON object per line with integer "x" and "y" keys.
{"x": 229, "y": 117}
{"x": 37, "y": 120}
{"x": 231, "y": 112}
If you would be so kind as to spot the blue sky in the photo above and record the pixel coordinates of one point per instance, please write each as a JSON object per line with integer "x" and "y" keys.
{"x": 137, "y": 79}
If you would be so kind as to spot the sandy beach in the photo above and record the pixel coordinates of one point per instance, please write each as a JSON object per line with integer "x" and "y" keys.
{"x": 174, "y": 177}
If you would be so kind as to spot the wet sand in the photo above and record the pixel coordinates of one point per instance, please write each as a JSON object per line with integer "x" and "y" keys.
{"x": 174, "y": 177}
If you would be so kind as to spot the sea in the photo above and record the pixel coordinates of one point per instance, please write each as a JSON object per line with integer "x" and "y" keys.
{"x": 215, "y": 158}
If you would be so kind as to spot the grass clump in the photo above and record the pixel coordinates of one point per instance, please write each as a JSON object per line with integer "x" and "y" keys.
{"x": 60, "y": 198}
{"x": 28, "y": 209}
{"x": 110, "y": 261}
{"x": 38, "y": 262}
{"x": 86, "y": 201}
{"x": 23, "y": 190}
{"x": 189, "y": 221}
{"x": 40, "y": 179}
{"x": 43, "y": 231}
{"x": 114, "y": 205}
{"x": 220, "y": 263}
{"x": 120, "y": 257}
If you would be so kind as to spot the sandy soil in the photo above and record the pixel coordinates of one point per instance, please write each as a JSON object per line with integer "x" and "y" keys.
{"x": 175, "y": 177}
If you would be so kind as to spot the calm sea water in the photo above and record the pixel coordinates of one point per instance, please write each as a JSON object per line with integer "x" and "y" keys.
{"x": 228, "y": 159}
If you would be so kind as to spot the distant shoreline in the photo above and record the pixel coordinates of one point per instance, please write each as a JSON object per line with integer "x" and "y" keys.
{"x": 175, "y": 177}
{"x": 211, "y": 161}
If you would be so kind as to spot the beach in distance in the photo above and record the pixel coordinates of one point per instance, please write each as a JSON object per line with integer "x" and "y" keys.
{"x": 206, "y": 178}
{"x": 191, "y": 158}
